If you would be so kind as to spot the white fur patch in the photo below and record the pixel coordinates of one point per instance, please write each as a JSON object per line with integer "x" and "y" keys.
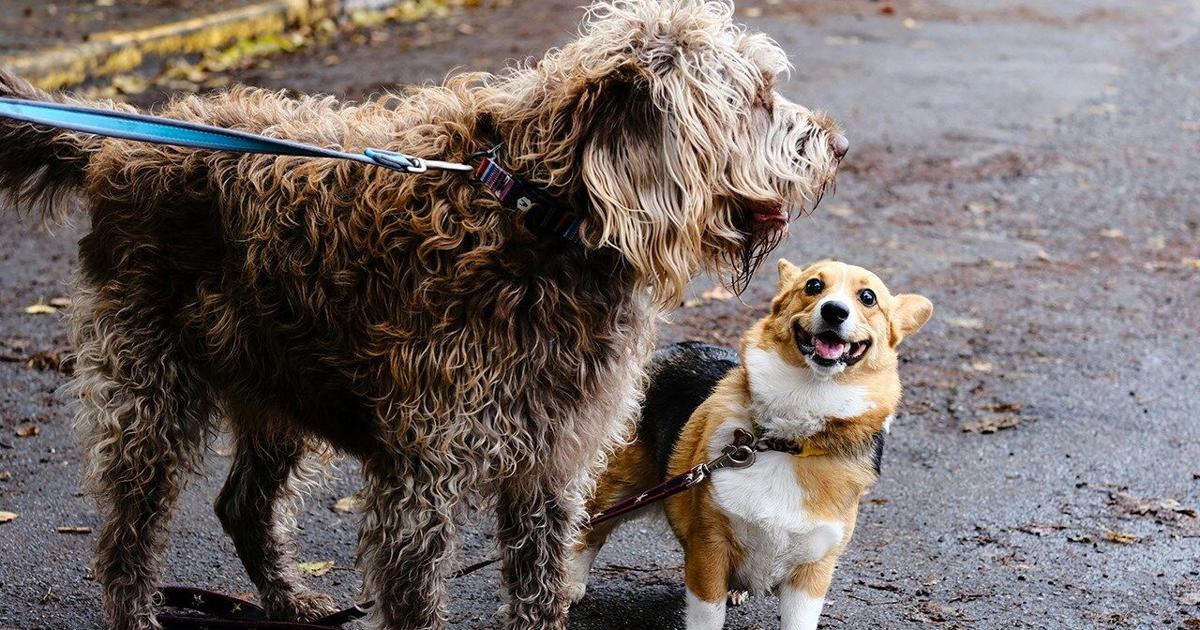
{"x": 798, "y": 610}
{"x": 578, "y": 570}
{"x": 794, "y": 402}
{"x": 765, "y": 507}
{"x": 702, "y": 615}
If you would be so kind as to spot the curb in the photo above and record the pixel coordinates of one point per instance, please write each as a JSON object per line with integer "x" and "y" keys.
{"x": 113, "y": 52}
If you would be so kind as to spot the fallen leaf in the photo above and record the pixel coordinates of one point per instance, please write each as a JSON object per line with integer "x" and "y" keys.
{"x": 717, "y": 293}
{"x": 346, "y": 505}
{"x": 7, "y": 517}
{"x": 1123, "y": 538}
{"x": 1191, "y": 622}
{"x": 1041, "y": 529}
{"x": 752, "y": 12}
{"x": 693, "y": 303}
{"x": 1102, "y": 108}
{"x": 982, "y": 366}
{"x": 1190, "y": 599}
{"x": 838, "y": 40}
{"x": 1194, "y": 263}
{"x": 880, "y": 501}
{"x": 1189, "y": 125}
{"x": 840, "y": 210}
{"x": 909, "y": 23}
{"x": 1003, "y": 407}
{"x": 28, "y": 430}
{"x": 5, "y": 475}
{"x": 129, "y": 84}
{"x": 1112, "y": 233}
{"x": 1080, "y": 538}
{"x": 979, "y": 207}
{"x": 40, "y": 308}
{"x": 965, "y": 322}
{"x": 887, "y": 9}
{"x": 991, "y": 425}
{"x": 314, "y": 569}
{"x": 1161, "y": 508}
{"x": 60, "y": 302}
{"x": 73, "y": 530}
{"x": 49, "y": 360}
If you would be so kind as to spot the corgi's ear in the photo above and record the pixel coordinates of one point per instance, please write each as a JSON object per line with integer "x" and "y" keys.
{"x": 909, "y": 314}
{"x": 787, "y": 273}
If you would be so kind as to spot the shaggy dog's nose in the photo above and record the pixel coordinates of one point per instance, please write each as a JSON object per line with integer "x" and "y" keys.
{"x": 834, "y": 312}
{"x": 840, "y": 145}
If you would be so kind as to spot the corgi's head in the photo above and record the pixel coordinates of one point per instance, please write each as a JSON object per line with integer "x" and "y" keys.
{"x": 838, "y": 319}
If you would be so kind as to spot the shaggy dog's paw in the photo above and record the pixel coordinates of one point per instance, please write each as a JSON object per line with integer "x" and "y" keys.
{"x": 737, "y": 598}
{"x": 298, "y": 604}
{"x": 576, "y": 591}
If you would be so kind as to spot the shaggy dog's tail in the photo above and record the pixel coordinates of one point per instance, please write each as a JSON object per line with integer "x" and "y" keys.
{"x": 39, "y": 165}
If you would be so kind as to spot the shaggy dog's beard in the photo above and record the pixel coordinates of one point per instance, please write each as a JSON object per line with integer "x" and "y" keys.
{"x": 744, "y": 260}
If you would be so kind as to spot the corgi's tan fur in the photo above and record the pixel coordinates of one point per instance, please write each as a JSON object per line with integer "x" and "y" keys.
{"x": 820, "y": 371}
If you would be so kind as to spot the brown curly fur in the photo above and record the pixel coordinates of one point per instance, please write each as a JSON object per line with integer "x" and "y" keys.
{"x": 410, "y": 320}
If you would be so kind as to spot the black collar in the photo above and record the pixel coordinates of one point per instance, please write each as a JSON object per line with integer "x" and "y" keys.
{"x": 542, "y": 213}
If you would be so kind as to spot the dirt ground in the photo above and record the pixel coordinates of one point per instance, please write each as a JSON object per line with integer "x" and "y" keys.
{"x": 1031, "y": 167}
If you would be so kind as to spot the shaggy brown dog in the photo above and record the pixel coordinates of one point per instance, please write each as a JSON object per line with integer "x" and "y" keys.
{"x": 410, "y": 320}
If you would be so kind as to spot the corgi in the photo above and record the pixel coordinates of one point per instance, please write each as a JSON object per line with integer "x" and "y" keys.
{"x": 815, "y": 385}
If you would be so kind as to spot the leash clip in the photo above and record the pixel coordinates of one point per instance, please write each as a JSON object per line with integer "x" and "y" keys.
{"x": 734, "y": 456}
{"x": 397, "y": 161}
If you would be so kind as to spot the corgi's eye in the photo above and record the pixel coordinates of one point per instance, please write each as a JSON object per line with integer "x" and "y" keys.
{"x": 814, "y": 286}
{"x": 867, "y": 297}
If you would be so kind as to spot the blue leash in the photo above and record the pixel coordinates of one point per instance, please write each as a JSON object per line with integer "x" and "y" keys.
{"x": 142, "y": 128}
{"x": 541, "y": 213}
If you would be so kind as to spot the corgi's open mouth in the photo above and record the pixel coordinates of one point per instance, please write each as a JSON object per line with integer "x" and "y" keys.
{"x": 828, "y": 348}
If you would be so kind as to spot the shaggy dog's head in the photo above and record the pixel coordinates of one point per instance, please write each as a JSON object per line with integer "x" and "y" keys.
{"x": 661, "y": 122}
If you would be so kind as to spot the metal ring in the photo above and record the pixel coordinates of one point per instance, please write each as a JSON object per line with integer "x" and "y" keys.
{"x": 741, "y": 456}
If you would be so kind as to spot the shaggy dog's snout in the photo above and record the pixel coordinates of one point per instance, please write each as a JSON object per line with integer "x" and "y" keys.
{"x": 840, "y": 145}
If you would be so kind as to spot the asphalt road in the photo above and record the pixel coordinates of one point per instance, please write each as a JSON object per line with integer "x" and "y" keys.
{"x": 1031, "y": 167}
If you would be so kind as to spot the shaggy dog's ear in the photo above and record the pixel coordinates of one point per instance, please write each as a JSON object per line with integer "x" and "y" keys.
{"x": 635, "y": 117}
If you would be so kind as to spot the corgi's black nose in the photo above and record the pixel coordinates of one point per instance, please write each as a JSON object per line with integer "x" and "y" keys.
{"x": 834, "y": 313}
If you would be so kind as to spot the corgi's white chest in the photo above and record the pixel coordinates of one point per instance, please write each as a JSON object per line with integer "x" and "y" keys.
{"x": 765, "y": 507}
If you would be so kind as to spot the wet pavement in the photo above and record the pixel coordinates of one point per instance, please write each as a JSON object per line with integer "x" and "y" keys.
{"x": 1032, "y": 169}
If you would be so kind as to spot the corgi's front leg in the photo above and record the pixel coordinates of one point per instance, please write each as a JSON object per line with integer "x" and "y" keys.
{"x": 803, "y": 596}
{"x": 706, "y": 574}
{"x": 705, "y": 615}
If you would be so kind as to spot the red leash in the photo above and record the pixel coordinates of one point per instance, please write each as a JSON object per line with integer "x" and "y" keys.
{"x": 224, "y": 612}
{"x": 740, "y": 454}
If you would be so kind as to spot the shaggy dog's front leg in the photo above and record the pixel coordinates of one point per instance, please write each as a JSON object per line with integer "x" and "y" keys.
{"x": 413, "y": 503}
{"x": 536, "y": 521}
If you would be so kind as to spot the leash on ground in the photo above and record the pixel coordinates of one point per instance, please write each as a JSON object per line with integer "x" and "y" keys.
{"x": 224, "y": 612}
{"x": 541, "y": 212}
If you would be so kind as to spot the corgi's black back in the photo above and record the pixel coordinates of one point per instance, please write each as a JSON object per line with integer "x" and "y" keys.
{"x": 682, "y": 375}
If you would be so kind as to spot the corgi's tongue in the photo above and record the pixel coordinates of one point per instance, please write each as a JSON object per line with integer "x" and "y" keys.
{"x": 831, "y": 351}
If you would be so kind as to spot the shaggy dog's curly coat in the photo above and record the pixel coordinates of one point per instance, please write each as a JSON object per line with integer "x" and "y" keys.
{"x": 410, "y": 320}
